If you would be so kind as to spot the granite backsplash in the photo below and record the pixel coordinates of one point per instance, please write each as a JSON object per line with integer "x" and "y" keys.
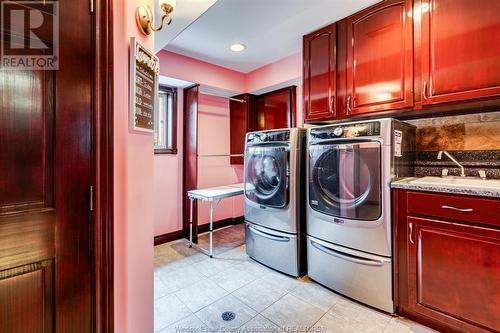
{"x": 474, "y": 140}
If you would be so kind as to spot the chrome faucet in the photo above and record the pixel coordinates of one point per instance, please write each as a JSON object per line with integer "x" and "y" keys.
{"x": 440, "y": 155}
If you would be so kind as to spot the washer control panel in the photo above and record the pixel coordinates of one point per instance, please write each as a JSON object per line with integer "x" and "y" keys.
{"x": 274, "y": 136}
{"x": 346, "y": 131}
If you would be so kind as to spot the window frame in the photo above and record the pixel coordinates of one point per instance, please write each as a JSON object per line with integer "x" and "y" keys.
{"x": 173, "y": 127}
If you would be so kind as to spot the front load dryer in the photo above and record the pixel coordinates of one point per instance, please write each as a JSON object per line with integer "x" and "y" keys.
{"x": 274, "y": 216}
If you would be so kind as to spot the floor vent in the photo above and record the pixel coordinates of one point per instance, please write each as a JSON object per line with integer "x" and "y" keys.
{"x": 228, "y": 316}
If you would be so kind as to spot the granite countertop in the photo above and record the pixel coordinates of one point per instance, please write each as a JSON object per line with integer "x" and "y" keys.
{"x": 409, "y": 184}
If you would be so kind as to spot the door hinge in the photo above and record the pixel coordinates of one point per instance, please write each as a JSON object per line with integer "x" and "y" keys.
{"x": 91, "y": 198}
{"x": 91, "y": 6}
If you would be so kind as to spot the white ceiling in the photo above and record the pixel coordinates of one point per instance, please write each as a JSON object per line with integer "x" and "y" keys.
{"x": 186, "y": 12}
{"x": 271, "y": 29}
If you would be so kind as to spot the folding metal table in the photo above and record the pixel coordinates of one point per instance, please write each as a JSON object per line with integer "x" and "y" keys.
{"x": 212, "y": 195}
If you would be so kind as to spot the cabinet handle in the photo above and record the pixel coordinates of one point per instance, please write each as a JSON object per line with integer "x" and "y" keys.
{"x": 410, "y": 233}
{"x": 458, "y": 209}
{"x": 424, "y": 91}
{"x": 348, "y": 104}
{"x": 332, "y": 100}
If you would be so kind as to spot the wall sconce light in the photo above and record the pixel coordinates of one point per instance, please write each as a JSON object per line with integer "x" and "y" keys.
{"x": 144, "y": 16}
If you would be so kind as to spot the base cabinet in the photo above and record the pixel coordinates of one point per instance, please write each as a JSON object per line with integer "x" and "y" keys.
{"x": 447, "y": 271}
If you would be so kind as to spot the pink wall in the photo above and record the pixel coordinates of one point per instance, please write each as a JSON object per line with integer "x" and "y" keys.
{"x": 213, "y": 139}
{"x": 133, "y": 189}
{"x": 189, "y": 69}
{"x": 286, "y": 69}
{"x": 167, "y": 185}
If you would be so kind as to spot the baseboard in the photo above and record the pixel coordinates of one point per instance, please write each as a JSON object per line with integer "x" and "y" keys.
{"x": 171, "y": 236}
{"x": 174, "y": 235}
{"x": 222, "y": 223}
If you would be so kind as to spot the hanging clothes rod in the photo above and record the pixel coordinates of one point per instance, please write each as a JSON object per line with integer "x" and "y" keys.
{"x": 229, "y": 98}
{"x": 222, "y": 155}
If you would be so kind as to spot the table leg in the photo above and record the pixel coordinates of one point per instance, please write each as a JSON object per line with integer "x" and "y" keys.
{"x": 211, "y": 226}
{"x": 190, "y": 222}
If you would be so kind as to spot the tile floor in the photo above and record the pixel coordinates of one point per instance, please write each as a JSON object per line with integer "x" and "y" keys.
{"x": 191, "y": 292}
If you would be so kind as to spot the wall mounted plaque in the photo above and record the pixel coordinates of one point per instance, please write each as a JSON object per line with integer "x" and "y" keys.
{"x": 144, "y": 69}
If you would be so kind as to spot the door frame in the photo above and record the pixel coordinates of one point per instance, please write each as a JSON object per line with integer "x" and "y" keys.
{"x": 102, "y": 168}
{"x": 190, "y": 152}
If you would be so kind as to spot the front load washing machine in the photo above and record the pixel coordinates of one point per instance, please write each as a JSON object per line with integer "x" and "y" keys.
{"x": 349, "y": 230}
{"x": 274, "y": 214}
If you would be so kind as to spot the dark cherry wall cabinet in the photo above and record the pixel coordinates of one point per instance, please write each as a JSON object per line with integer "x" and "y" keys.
{"x": 460, "y": 50}
{"x": 405, "y": 55}
{"x": 319, "y": 76}
{"x": 276, "y": 109}
{"x": 448, "y": 260}
{"x": 380, "y": 58}
{"x": 243, "y": 119}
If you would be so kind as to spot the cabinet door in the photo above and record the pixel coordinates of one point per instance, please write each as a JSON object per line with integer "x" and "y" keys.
{"x": 276, "y": 109}
{"x": 454, "y": 274}
{"x": 242, "y": 119}
{"x": 319, "y": 74}
{"x": 460, "y": 50}
{"x": 380, "y": 58}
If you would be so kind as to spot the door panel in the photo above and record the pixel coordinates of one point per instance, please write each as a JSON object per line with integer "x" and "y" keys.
{"x": 45, "y": 169}
{"x": 454, "y": 271}
{"x": 380, "y": 60}
{"x": 320, "y": 61}
{"x": 243, "y": 119}
{"x": 26, "y": 298}
{"x": 460, "y": 50}
{"x": 25, "y": 168}
{"x": 276, "y": 109}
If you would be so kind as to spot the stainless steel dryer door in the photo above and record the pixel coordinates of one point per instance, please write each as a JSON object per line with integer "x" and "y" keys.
{"x": 349, "y": 195}
{"x": 345, "y": 179}
{"x": 267, "y": 175}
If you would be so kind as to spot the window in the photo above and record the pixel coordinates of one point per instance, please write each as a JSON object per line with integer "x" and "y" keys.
{"x": 165, "y": 136}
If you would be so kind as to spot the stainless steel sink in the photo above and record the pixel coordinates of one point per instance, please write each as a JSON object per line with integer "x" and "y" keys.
{"x": 465, "y": 182}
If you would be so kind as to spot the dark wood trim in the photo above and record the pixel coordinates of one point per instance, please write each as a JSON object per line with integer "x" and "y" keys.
{"x": 175, "y": 235}
{"x": 242, "y": 119}
{"x": 103, "y": 248}
{"x": 190, "y": 156}
{"x": 168, "y": 237}
{"x": 222, "y": 223}
{"x": 172, "y": 150}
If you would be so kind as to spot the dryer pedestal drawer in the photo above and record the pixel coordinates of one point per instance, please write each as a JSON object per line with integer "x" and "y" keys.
{"x": 272, "y": 248}
{"x": 361, "y": 276}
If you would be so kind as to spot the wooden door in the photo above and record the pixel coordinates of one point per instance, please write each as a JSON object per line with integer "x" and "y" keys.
{"x": 242, "y": 119}
{"x": 190, "y": 157}
{"x": 460, "y": 51}
{"x": 454, "y": 274}
{"x": 45, "y": 170}
{"x": 380, "y": 58}
{"x": 276, "y": 109}
{"x": 319, "y": 77}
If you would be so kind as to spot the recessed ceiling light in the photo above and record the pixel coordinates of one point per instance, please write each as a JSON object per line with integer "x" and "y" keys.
{"x": 237, "y": 47}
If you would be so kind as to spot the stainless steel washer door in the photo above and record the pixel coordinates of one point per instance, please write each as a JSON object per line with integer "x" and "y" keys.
{"x": 266, "y": 175}
{"x": 345, "y": 179}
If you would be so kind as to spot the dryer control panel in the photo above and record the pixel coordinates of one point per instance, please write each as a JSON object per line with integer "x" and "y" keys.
{"x": 272, "y": 136}
{"x": 346, "y": 131}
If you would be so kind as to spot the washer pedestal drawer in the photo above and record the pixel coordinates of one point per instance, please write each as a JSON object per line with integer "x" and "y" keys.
{"x": 272, "y": 248}
{"x": 361, "y": 276}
